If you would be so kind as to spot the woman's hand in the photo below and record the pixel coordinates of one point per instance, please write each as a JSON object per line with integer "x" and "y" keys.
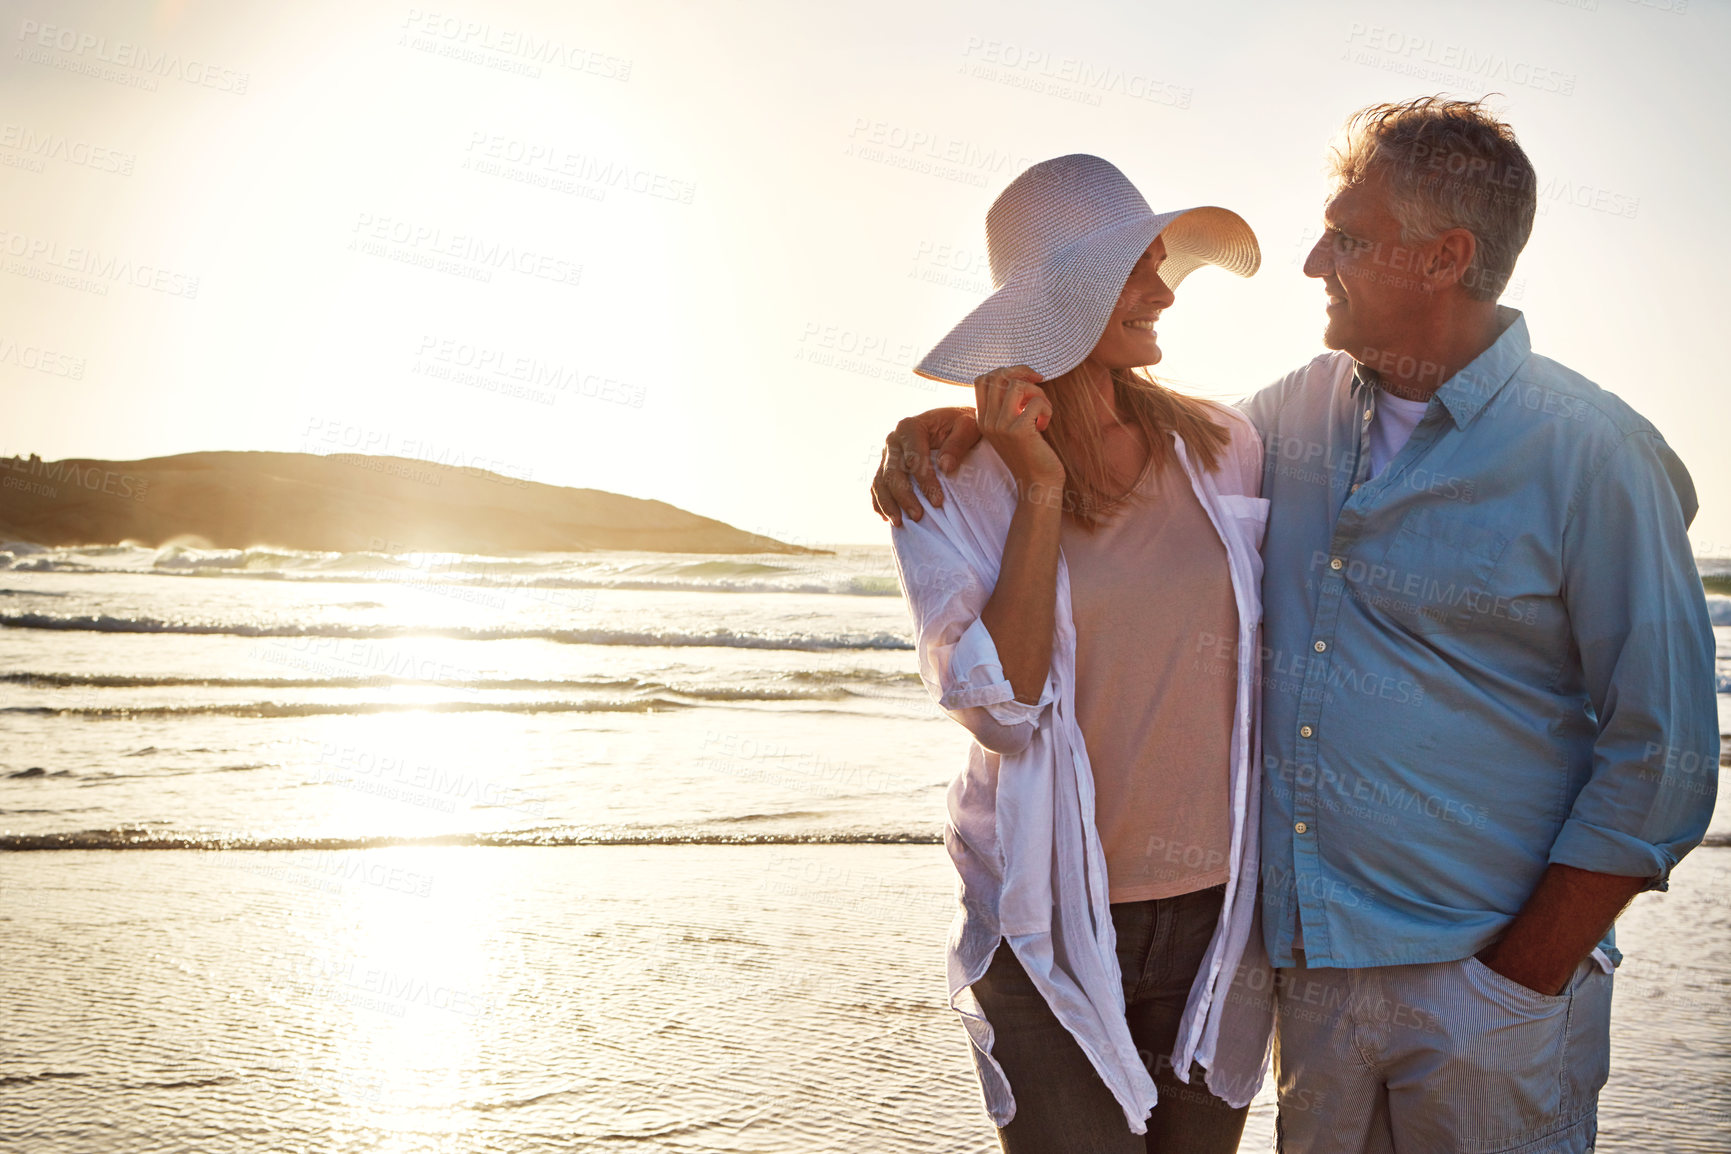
{"x": 1013, "y": 413}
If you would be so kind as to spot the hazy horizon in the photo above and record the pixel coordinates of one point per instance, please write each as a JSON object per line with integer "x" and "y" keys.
{"x": 197, "y": 540}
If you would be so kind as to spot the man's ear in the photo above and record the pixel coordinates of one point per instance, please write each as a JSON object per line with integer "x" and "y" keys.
{"x": 1451, "y": 255}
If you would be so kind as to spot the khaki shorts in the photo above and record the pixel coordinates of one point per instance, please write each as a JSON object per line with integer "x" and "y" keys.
{"x": 1442, "y": 1056}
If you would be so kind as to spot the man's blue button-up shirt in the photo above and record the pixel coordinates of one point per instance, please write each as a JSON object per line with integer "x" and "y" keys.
{"x": 1493, "y": 655}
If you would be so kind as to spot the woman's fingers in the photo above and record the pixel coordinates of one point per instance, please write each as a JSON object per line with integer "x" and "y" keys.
{"x": 1014, "y": 409}
{"x": 1037, "y": 411}
{"x": 999, "y": 393}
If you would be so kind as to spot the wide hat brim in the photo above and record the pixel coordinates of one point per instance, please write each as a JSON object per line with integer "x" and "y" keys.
{"x": 1051, "y": 316}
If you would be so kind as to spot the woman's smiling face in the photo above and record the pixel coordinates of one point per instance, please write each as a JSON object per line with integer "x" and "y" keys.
{"x": 1129, "y": 341}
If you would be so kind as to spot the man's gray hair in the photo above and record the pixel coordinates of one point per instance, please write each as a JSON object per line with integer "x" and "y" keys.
{"x": 1448, "y": 164}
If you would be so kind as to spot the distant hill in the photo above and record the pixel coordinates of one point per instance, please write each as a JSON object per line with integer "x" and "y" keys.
{"x": 345, "y": 503}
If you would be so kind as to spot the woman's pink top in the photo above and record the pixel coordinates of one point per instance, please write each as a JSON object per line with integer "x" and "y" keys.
{"x": 1153, "y": 604}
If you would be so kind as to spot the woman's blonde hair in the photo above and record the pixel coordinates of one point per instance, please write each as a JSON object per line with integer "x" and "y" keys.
{"x": 1092, "y": 491}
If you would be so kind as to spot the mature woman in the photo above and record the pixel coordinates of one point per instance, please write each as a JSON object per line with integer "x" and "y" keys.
{"x": 1086, "y": 603}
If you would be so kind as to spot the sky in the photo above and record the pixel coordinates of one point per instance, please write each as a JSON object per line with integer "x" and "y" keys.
{"x": 690, "y": 251}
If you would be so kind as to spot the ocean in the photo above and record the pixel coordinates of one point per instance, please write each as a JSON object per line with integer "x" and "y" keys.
{"x": 559, "y": 851}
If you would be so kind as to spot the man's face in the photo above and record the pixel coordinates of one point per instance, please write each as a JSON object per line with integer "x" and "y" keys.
{"x": 1376, "y": 295}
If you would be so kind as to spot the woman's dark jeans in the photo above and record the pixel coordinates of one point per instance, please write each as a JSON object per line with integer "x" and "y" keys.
{"x": 1061, "y": 1104}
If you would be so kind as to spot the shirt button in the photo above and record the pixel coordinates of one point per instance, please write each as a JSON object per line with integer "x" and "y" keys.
{"x": 1336, "y": 563}
{"x": 1305, "y": 731}
{"x": 1321, "y": 645}
{"x": 1300, "y": 828}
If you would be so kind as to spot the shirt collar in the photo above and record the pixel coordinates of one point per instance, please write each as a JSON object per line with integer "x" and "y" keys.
{"x": 1465, "y": 393}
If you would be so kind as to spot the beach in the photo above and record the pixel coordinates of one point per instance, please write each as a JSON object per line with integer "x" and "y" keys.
{"x": 344, "y": 852}
{"x": 682, "y": 998}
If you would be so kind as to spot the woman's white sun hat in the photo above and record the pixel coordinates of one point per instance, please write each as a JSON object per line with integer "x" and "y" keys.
{"x": 1063, "y": 239}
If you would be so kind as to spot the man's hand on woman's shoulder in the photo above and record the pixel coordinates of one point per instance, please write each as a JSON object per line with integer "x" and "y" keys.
{"x": 907, "y": 460}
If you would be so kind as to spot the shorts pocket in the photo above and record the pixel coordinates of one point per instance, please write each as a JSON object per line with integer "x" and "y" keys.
{"x": 1587, "y": 1052}
{"x": 1508, "y": 992}
{"x": 1507, "y": 1052}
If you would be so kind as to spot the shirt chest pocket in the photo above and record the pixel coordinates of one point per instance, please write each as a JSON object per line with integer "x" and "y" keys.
{"x": 1248, "y": 517}
{"x": 1246, "y": 520}
{"x": 1439, "y": 574}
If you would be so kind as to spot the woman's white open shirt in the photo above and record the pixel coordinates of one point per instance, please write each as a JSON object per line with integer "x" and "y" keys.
{"x": 1021, "y": 816}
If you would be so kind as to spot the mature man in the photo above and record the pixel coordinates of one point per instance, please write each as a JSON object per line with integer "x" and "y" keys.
{"x": 1489, "y": 716}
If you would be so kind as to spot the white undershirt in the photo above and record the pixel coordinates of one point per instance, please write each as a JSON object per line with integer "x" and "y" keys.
{"x": 1392, "y": 426}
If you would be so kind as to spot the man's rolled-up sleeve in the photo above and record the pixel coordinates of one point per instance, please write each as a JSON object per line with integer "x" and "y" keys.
{"x": 1640, "y": 621}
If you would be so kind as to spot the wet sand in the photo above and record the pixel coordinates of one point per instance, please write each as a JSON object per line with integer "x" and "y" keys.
{"x": 682, "y": 998}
